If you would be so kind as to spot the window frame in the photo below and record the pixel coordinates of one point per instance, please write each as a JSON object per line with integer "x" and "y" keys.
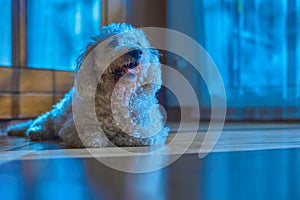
{"x": 19, "y": 46}
{"x": 20, "y": 96}
{"x": 19, "y": 30}
{"x": 243, "y": 106}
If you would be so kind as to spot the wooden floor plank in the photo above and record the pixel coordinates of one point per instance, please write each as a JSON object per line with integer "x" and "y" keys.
{"x": 232, "y": 139}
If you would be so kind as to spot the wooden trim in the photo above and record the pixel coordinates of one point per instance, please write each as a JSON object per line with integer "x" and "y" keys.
{"x": 30, "y": 105}
{"x": 5, "y": 109}
{"x": 15, "y": 83}
{"x": 261, "y": 114}
{"x": 19, "y": 57}
{"x": 145, "y": 13}
{"x": 6, "y": 79}
{"x": 37, "y": 90}
{"x": 113, "y": 11}
{"x": 35, "y": 80}
{"x": 104, "y": 12}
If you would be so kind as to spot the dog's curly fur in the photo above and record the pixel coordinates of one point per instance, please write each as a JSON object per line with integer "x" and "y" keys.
{"x": 121, "y": 98}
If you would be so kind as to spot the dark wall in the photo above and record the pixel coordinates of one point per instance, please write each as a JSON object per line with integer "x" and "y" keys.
{"x": 146, "y": 13}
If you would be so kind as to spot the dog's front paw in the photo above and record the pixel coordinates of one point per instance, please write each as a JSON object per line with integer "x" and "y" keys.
{"x": 37, "y": 133}
{"x": 34, "y": 133}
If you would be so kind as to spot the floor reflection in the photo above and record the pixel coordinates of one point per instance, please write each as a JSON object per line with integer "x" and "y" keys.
{"x": 268, "y": 174}
{"x": 44, "y": 179}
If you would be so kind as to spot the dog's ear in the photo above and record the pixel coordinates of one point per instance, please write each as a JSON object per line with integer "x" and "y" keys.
{"x": 85, "y": 51}
{"x": 155, "y": 52}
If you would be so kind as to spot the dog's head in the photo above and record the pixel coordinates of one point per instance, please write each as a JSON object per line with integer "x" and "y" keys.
{"x": 124, "y": 38}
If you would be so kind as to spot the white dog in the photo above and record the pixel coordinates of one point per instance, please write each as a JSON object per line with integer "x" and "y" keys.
{"x": 124, "y": 98}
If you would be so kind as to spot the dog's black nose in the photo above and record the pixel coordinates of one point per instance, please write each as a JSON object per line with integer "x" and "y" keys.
{"x": 136, "y": 54}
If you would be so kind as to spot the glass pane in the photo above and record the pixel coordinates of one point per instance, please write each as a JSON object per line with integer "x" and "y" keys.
{"x": 58, "y": 29}
{"x": 5, "y": 39}
{"x": 255, "y": 44}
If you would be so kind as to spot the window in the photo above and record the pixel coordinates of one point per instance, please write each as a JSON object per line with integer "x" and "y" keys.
{"x": 58, "y": 30}
{"x": 46, "y": 34}
{"x": 5, "y": 39}
{"x": 256, "y": 46}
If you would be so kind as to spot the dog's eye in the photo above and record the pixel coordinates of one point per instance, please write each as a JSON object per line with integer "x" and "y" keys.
{"x": 113, "y": 43}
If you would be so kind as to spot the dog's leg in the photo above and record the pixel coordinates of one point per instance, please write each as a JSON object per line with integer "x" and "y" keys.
{"x": 147, "y": 115}
{"x": 69, "y": 135}
{"x": 42, "y": 128}
{"x": 71, "y": 138}
{"x": 48, "y": 125}
{"x": 18, "y": 129}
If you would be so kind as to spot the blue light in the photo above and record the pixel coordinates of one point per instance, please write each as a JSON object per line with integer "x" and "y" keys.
{"x": 5, "y": 39}
{"x": 58, "y": 30}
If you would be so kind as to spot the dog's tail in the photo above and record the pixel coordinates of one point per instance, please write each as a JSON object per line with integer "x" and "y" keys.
{"x": 18, "y": 129}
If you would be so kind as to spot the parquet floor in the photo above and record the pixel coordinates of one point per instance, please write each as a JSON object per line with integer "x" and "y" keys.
{"x": 249, "y": 161}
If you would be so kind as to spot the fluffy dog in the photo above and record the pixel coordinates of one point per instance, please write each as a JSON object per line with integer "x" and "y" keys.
{"x": 124, "y": 98}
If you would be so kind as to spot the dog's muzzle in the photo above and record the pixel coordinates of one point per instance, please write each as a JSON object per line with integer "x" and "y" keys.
{"x": 136, "y": 54}
{"x": 130, "y": 67}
